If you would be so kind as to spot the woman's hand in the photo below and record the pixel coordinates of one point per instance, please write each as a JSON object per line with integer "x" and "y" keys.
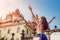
{"x": 30, "y": 8}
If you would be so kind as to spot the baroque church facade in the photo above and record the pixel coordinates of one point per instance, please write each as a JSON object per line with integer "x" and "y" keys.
{"x": 13, "y": 23}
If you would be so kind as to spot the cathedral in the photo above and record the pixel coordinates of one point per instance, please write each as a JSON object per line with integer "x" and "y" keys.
{"x": 13, "y": 23}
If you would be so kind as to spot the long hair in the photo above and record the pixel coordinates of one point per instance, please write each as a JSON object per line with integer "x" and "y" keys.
{"x": 44, "y": 23}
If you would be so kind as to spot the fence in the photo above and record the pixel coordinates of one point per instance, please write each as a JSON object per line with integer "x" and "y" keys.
{"x": 25, "y": 38}
{"x": 48, "y": 33}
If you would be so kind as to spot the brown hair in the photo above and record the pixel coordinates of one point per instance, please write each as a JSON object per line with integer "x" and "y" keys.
{"x": 44, "y": 23}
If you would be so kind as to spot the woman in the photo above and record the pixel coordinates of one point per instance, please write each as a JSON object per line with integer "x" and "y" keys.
{"x": 42, "y": 26}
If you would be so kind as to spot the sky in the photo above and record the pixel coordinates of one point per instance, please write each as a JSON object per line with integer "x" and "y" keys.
{"x": 47, "y": 8}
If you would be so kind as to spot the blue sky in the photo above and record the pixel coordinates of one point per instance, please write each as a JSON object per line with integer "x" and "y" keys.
{"x": 47, "y": 8}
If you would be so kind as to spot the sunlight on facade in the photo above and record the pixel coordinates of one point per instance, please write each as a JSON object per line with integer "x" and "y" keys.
{"x": 55, "y": 36}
